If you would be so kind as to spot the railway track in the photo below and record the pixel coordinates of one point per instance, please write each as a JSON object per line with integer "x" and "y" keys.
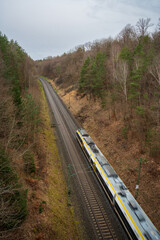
{"x": 100, "y": 219}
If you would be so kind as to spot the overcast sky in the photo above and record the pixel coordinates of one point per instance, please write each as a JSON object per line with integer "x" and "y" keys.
{"x": 51, "y": 27}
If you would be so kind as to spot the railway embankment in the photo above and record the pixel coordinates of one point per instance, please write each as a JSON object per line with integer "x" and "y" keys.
{"x": 56, "y": 220}
{"x": 122, "y": 150}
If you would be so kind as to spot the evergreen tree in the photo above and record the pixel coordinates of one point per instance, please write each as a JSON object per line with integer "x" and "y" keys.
{"x": 92, "y": 77}
{"x": 13, "y": 57}
{"x": 98, "y": 73}
{"x": 84, "y": 81}
{"x": 142, "y": 57}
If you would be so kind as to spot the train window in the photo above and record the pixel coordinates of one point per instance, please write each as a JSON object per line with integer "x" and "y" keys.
{"x": 102, "y": 160}
{"x": 117, "y": 180}
{"x": 93, "y": 147}
{"x": 140, "y": 216}
{"x": 133, "y": 205}
{"x": 123, "y": 187}
{"x": 84, "y": 133}
{"x": 109, "y": 171}
{"x": 89, "y": 141}
{"x": 122, "y": 193}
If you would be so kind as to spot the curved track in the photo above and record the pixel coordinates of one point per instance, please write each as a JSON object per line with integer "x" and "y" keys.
{"x": 98, "y": 216}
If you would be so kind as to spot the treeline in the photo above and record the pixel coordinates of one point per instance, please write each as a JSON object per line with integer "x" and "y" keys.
{"x": 124, "y": 73}
{"x": 19, "y": 117}
{"x": 14, "y": 67}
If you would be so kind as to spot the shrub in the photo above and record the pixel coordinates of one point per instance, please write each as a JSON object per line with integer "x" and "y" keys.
{"x": 29, "y": 165}
{"x": 125, "y": 132}
{"x": 13, "y": 208}
{"x": 152, "y": 141}
{"x": 155, "y": 151}
{"x": 140, "y": 111}
{"x": 42, "y": 206}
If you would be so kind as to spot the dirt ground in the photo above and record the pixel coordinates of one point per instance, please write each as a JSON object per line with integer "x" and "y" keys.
{"x": 121, "y": 153}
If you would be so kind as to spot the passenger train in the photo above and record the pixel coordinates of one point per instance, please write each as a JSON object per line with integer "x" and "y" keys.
{"x": 134, "y": 219}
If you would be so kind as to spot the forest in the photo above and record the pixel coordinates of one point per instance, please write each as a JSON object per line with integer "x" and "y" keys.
{"x": 19, "y": 117}
{"x": 33, "y": 197}
{"x": 122, "y": 73}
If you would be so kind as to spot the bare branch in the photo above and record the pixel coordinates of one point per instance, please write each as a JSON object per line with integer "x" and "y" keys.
{"x": 143, "y": 25}
{"x": 155, "y": 69}
{"x": 10, "y": 134}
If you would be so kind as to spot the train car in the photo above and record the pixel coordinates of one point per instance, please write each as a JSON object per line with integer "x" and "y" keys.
{"x": 132, "y": 216}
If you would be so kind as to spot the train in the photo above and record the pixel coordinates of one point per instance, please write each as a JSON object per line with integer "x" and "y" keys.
{"x": 135, "y": 221}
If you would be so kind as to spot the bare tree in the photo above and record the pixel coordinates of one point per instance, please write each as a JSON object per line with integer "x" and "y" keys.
{"x": 11, "y": 136}
{"x": 158, "y": 25}
{"x": 143, "y": 25}
{"x": 155, "y": 69}
{"x": 155, "y": 72}
{"x": 120, "y": 74}
{"x": 115, "y": 51}
{"x": 127, "y": 35}
{"x": 122, "y": 69}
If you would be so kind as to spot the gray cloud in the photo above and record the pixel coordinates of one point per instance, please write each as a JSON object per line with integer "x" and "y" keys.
{"x": 51, "y": 27}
